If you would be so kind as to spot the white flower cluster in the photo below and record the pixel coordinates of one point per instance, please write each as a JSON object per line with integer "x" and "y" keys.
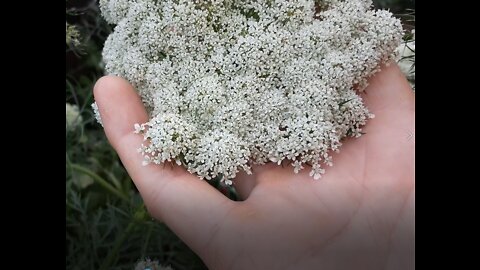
{"x": 231, "y": 83}
{"x": 96, "y": 113}
{"x": 73, "y": 117}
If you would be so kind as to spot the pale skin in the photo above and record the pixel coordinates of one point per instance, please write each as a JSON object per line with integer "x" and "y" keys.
{"x": 359, "y": 215}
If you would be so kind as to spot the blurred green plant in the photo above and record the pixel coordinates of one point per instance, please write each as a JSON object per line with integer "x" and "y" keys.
{"x": 107, "y": 226}
{"x": 72, "y": 35}
{"x": 148, "y": 264}
{"x": 406, "y": 57}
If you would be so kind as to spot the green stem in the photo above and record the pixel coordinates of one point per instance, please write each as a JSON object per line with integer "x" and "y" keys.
{"x": 121, "y": 239}
{"x": 100, "y": 181}
{"x": 147, "y": 240}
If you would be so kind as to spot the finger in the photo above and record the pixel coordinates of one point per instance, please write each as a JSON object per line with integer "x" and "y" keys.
{"x": 188, "y": 205}
{"x": 388, "y": 148}
{"x": 389, "y": 89}
{"x": 392, "y": 100}
{"x": 244, "y": 184}
{"x": 265, "y": 175}
{"x": 388, "y": 95}
{"x": 262, "y": 175}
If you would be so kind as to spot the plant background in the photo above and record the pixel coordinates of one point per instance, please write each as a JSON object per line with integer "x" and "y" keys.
{"x": 107, "y": 226}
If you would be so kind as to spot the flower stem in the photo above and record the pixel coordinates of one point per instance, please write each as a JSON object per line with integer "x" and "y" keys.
{"x": 102, "y": 182}
{"x": 139, "y": 213}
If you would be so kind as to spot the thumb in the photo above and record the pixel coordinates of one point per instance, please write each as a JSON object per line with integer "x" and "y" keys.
{"x": 189, "y": 206}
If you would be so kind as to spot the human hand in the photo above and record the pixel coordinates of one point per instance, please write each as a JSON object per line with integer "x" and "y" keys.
{"x": 359, "y": 215}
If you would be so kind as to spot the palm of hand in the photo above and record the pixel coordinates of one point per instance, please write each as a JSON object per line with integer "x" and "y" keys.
{"x": 358, "y": 216}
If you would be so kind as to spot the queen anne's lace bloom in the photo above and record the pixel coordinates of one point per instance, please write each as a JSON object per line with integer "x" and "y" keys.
{"x": 231, "y": 83}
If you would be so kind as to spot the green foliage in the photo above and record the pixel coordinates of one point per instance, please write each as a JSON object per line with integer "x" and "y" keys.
{"x": 72, "y": 35}
{"x": 151, "y": 265}
{"x": 107, "y": 226}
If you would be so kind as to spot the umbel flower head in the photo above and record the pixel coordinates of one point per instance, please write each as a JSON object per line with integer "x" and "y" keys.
{"x": 231, "y": 83}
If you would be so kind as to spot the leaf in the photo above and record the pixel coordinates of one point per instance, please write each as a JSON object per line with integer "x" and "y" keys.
{"x": 82, "y": 181}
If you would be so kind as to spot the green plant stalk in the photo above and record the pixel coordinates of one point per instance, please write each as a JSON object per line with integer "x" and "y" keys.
{"x": 102, "y": 182}
{"x": 114, "y": 251}
{"x": 147, "y": 240}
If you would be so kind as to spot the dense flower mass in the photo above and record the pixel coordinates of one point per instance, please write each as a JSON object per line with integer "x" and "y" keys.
{"x": 231, "y": 83}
